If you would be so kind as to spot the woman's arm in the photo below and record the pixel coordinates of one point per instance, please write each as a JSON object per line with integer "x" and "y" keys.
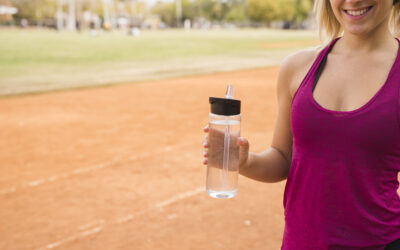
{"x": 273, "y": 164}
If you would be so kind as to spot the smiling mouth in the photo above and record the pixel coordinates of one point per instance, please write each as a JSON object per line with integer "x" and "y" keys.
{"x": 358, "y": 12}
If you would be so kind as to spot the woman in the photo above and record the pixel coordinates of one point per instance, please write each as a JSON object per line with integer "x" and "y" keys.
{"x": 337, "y": 134}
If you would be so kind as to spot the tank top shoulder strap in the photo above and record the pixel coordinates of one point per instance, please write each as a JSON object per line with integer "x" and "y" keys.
{"x": 323, "y": 53}
{"x": 396, "y": 64}
{"x": 321, "y": 58}
{"x": 322, "y": 63}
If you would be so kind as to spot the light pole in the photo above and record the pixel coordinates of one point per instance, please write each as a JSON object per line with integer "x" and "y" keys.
{"x": 178, "y": 4}
{"x": 133, "y": 10}
{"x": 106, "y": 14}
{"x": 113, "y": 15}
{"x": 71, "y": 16}
{"x": 60, "y": 23}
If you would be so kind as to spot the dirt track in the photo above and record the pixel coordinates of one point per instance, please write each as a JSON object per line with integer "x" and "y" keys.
{"x": 119, "y": 167}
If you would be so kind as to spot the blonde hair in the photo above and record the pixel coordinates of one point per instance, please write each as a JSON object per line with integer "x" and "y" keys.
{"x": 330, "y": 28}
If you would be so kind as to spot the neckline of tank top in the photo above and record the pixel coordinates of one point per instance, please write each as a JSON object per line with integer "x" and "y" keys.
{"x": 365, "y": 105}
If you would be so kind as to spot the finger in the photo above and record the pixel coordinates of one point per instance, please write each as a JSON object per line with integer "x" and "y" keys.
{"x": 205, "y": 161}
{"x": 205, "y": 152}
{"x": 244, "y": 144}
{"x": 205, "y": 129}
{"x": 205, "y": 141}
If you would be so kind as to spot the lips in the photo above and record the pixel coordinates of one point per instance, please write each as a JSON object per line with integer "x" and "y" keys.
{"x": 358, "y": 12}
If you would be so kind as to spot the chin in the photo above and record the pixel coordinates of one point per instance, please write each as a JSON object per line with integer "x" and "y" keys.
{"x": 358, "y": 31}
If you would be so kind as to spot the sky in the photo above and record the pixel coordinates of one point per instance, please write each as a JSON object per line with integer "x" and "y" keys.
{"x": 152, "y": 2}
{"x": 148, "y": 2}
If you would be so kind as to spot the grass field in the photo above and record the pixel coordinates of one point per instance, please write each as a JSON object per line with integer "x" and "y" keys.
{"x": 39, "y": 60}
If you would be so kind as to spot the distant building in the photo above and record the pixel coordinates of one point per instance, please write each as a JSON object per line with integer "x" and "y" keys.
{"x": 8, "y": 10}
{"x": 6, "y": 13}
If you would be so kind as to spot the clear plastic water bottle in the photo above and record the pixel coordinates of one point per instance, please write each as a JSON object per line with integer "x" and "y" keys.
{"x": 223, "y": 149}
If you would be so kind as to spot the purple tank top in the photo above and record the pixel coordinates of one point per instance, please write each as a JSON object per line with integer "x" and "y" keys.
{"x": 341, "y": 190}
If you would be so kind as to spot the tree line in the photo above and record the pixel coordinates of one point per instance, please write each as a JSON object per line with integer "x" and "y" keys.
{"x": 173, "y": 14}
{"x": 293, "y": 12}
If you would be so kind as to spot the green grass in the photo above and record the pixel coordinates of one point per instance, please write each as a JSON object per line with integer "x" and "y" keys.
{"x": 38, "y": 53}
{"x": 41, "y": 49}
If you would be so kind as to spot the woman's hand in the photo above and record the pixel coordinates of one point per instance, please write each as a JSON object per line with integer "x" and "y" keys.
{"x": 241, "y": 142}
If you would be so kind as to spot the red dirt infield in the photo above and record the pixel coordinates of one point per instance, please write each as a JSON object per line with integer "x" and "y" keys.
{"x": 119, "y": 167}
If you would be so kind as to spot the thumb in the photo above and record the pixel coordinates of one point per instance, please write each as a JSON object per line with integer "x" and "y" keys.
{"x": 244, "y": 145}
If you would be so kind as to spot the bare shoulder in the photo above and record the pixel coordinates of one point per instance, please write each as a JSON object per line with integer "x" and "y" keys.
{"x": 294, "y": 68}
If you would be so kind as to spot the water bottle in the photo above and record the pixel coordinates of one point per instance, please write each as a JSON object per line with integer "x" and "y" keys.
{"x": 223, "y": 149}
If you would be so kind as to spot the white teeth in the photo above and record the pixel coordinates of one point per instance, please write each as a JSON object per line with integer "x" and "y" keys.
{"x": 357, "y": 13}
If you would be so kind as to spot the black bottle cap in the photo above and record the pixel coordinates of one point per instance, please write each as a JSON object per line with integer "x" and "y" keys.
{"x": 225, "y": 106}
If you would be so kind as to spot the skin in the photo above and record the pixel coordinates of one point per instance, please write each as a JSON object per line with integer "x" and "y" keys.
{"x": 356, "y": 69}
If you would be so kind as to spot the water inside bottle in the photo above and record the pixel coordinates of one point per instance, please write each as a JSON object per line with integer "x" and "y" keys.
{"x": 222, "y": 179}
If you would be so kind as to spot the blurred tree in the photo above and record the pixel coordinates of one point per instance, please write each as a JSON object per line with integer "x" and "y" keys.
{"x": 262, "y": 10}
{"x": 236, "y": 11}
{"x": 236, "y": 14}
{"x": 167, "y": 12}
{"x": 5, "y": 2}
{"x": 213, "y": 10}
{"x": 302, "y": 10}
{"x": 292, "y": 11}
{"x": 203, "y": 8}
{"x": 36, "y": 11}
